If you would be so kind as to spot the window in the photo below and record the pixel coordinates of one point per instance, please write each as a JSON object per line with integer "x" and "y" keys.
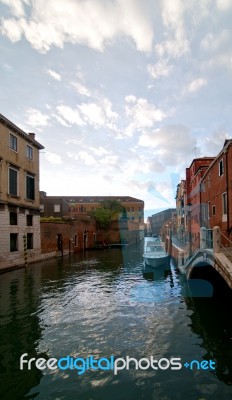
{"x": 29, "y": 241}
{"x": 208, "y": 209}
{"x": 214, "y": 210}
{"x": 13, "y": 142}
{"x": 29, "y": 152}
{"x": 224, "y": 203}
{"x": 13, "y": 242}
{"x": 42, "y": 207}
{"x": 13, "y": 181}
{"x": 30, "y": 187}
{"x": 13, "y": 218}
{"x": 29, "y": 220}
{"x": 221, "y": 167}
{"x": 57, "y": 208}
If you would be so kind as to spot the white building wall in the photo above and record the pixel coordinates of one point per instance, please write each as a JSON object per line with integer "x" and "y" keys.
{"x": 16, "y": 258}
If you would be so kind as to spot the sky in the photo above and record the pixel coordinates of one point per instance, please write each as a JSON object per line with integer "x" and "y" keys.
{"x": 123, "y": 94}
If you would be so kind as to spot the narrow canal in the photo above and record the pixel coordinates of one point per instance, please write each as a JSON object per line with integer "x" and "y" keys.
{"x": 105, "y": 304}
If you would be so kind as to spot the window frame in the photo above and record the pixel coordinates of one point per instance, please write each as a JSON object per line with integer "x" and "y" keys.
{"x": 29, "y": 219}
{"x": 13, "y": 248}
{"x": 224, "y": 203}
{"x": 29, "y": 152}
{"x": 11, "y": 192}
{"x": 30, "y": 243}
{"x": 28, "y": 194}
{"x": 13, "y": 142}
{"x": 221, "y": 167}
{"x": 13, "y": 217}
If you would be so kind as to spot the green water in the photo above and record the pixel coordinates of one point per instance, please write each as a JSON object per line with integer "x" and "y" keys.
{"x": 102, "y": 304}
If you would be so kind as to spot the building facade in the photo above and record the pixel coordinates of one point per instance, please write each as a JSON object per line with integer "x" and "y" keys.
{"x": 208, "y": 199}
{"x": 66, "y": 206}
{"x": 19, "y": 195}
{"x": 216, "y": 193}
{"x": 193, "y": 207}
{"x": 160, "y": 219}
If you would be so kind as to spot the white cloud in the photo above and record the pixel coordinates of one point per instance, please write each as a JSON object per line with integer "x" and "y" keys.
{"x": 54, "y": 74}
{"x": 143, "y": 115}
{"x": 16, "y": 7}
{"x": 99, "y": 115}
{"x": 130, "y": 99}
{"x": 161, "y": 68}
{"x": 81, "y": 89}
{"x": 86, "y": 158}
{"x": 53, "y": 158}
{"x": 100, "y": 151}
{"x": 177, "y": 43}
{"x": 54, "y": 22}
{"x": 197, "y": 84}
{"x": 92, "y": 114}
{"x": 224, "y": 5}
{"x": 70, "y": 115}
{"x": 11, "y": 29}
{"x": 171, "y": 144}
{"x": 36, "y": 119}
{"x": 212, "y": 143}
{"x": 215, "y": 42}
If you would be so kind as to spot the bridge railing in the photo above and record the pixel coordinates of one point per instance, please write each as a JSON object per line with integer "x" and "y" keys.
{"x": 226, "y": 249}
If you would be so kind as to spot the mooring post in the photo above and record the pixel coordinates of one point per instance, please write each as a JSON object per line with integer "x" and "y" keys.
{"x": 216, "y": 239}
{"x": 202, "y": 238}
{"x": 25, "y": 250}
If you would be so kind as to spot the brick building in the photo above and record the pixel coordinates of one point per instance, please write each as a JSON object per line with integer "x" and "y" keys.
{"x": 19, "y": 194}
{"x": 63, "y": 206}
{"x": 216, "y": 193}
{"x": 80, "y": 231}
{"x": 194, "y": 176}
{"x": 209, "y": 192}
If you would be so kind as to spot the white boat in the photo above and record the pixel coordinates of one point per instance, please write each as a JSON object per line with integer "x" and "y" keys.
{"x": 155, "y": 254}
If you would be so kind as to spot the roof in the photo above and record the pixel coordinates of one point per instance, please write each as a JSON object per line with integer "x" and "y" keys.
{"x": 19, "y": 131}
{"x": 91, "y": 199}
{"x": 227, "y": 143}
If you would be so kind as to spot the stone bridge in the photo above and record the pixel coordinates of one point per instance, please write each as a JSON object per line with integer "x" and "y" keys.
{"x": 218, "y": 256}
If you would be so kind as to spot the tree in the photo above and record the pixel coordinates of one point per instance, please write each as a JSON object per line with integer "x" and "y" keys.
{"x": 109, "y": 210}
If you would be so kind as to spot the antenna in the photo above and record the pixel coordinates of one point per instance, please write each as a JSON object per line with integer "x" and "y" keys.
{"x": 195, "y": 149}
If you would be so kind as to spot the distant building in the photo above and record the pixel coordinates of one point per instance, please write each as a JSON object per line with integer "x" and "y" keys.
{"x": 19, "y": 194}
{"x": 76, "y": 207}
{"x": 159, "y": 219}
{"x": 61, "y": 206}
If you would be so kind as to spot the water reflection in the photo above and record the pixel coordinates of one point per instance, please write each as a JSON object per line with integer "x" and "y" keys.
{"x": 19, "y": 332}
{"x": 107, "y": 303}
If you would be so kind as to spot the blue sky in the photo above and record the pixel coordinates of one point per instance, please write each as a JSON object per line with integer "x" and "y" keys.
{"x": 123, "y": 94}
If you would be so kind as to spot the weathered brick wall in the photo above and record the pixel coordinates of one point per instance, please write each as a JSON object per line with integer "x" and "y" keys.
{"x": 82, "y": 233}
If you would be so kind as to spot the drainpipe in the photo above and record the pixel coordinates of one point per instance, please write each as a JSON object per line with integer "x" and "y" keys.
{"x": 227, "y": 193}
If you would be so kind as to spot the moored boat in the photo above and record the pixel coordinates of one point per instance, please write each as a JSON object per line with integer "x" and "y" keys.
{"x": 155, "y": 254}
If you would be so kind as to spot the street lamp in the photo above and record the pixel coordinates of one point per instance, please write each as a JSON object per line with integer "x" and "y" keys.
{"x": 189, "y": 205}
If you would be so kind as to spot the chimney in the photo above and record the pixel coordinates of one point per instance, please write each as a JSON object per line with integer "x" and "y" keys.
{"x": 32, "y": 135}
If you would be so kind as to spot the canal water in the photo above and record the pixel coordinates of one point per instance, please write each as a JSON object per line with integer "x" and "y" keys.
{"x": 106, "y": 304}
